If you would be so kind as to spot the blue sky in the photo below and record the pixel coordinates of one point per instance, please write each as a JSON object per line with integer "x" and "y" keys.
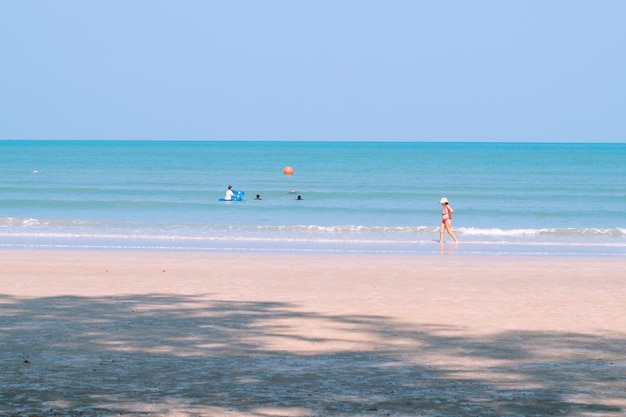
{"x": 313, "y": 70}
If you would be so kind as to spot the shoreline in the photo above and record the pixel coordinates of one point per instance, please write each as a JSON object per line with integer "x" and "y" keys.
{"x": 187, "y": 334}
{"x": 606, "y": 250}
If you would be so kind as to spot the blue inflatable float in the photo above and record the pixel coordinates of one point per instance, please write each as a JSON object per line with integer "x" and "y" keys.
{"x": 237, "y": 196}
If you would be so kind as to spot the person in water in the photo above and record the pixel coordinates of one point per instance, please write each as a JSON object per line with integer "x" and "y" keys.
{"x": 299, "y": 197}
{"x": 446, "y": 220}
{"x": 229, "y": 193}
{"x": 258, "y": 197}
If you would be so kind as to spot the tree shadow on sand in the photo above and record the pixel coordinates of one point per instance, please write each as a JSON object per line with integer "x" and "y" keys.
{"x": 196, "y": 356}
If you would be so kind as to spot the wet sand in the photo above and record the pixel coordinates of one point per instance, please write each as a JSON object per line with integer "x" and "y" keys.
{"x": 179, "y": 334}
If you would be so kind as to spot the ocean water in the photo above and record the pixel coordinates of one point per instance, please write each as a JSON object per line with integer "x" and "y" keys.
{"x": 509, "y": 198}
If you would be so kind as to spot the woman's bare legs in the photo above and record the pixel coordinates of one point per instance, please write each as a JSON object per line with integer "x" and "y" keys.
{"x": 447, "y": 226}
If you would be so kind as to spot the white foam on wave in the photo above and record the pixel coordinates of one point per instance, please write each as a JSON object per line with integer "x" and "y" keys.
{"x": 15, "y": 221}
{"x": 564, "y": 232}
{"x": 156, "y": 230}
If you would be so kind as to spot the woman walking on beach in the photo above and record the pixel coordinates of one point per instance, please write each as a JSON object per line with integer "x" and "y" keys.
{"x": 446, "y": 220}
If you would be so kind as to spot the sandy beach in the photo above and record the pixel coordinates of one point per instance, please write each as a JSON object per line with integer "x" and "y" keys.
{"x": 216, "y": 334}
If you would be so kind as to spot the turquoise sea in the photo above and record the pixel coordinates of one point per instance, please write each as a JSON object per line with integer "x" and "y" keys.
{"x": 357, "y": 197}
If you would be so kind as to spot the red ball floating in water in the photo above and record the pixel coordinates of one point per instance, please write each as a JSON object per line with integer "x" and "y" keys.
{"x": 288, "y": 170}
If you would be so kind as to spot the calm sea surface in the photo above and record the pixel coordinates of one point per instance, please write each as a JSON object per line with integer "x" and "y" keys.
{"x": 519, "y": 199}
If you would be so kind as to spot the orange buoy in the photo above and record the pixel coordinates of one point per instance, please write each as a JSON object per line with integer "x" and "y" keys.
{"x": 288, "y": 170}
